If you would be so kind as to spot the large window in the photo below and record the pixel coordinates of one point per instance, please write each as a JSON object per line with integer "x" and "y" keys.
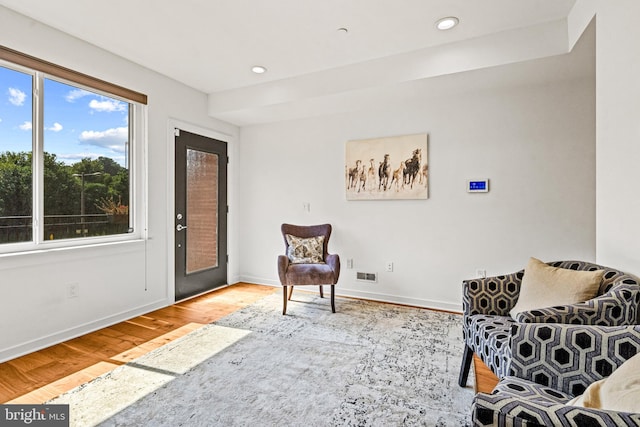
{"x": 66, "y": 148}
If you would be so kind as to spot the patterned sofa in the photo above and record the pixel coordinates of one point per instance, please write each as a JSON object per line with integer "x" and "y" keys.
{"x": 551, "y": 364}
{"x": 487, "y": 324}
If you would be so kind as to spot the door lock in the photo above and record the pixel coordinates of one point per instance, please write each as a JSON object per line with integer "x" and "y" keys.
{"x": 181, "y": 227}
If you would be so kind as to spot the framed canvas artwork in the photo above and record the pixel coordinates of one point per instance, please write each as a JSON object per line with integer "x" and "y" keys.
{"x": 390, "y": 168}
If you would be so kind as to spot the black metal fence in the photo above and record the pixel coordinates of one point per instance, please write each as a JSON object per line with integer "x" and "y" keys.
{"x": 15, "y": 229}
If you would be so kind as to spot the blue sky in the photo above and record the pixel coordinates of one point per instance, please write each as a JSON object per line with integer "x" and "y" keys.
{"x": 77, "y": 123}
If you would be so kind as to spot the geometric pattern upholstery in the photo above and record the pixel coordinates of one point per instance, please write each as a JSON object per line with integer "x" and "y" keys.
{"x": 570, "y": 357}
{"x": 490, "y": 336}
{"x": 487, "y": 301}
{"x": 551, "y": 364}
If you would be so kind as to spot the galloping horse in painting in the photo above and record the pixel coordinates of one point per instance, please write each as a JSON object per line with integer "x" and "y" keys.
{"x": 384, "y": 172}
{"x": 371, "y": 175}
{"x": 397, "y": 177}
{"x": 412, "y": 167}
{"x": 354, "y": 174}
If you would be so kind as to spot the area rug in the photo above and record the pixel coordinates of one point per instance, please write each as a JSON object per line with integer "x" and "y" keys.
{"x": 368, "y": 364}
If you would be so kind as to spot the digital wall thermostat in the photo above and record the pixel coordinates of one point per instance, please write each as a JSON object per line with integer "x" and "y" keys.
{"x": 478, "y": 186}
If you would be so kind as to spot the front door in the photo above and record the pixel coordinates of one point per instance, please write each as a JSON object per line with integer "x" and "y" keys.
{"x": 201, "y": 214}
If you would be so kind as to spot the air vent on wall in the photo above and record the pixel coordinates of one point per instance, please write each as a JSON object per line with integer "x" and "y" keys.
{"x": 366, "y": 277}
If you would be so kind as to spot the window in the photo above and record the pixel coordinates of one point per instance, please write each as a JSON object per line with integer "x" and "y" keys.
{"x": 66, "y": 149}
{"x": 16, "y": 176}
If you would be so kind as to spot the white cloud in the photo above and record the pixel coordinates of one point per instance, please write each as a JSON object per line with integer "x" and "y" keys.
{"x": 57, "y": 127}
{"x": 76, "y": 94}
{"x": 16, "y": 96}
{"x": 108, "y": 105}
{"x": 72, "y": 158}
{"x": 113, "y": 139}
{"x": 76, "y": 157}
{"x": 26, "y": 126}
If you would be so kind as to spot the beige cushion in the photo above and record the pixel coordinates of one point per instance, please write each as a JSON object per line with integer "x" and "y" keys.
{"x": 618, "y": 392}
{"x": 303, "y": 250}
{"x": 545, "y": 286}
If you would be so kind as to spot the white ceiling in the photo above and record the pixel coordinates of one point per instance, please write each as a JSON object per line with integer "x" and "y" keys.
{"x": 211, "y": 45}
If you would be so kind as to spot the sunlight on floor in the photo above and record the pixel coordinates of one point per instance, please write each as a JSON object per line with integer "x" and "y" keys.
{"x": 105, "y": 396}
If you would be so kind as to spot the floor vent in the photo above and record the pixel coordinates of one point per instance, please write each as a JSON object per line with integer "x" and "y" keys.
{"x": 366, "y": 277}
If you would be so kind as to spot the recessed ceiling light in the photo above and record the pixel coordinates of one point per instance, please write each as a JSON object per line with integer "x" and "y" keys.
{"x": 447, "y": 23}
{"x": 258, "y": 69}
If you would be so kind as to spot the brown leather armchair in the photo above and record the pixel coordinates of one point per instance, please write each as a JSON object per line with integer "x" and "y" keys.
{"x": 323, "y": 271}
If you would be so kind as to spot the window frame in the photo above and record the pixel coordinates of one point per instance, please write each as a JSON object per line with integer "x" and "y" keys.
{"x": 137, "y": 128}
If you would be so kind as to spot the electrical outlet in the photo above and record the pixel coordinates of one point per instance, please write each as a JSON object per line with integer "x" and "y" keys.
{"x": 389, "y": 266}
{"x": 306, "y": 206}
{"x": 481, "y": 273}
{"x": 349, "y": 262}
{"x": 73, "y": 290}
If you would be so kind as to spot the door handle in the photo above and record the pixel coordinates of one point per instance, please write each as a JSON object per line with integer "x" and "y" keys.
{"x": 181, "y": 227}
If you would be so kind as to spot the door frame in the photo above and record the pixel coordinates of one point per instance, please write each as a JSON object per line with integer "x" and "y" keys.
{"x": 172, "y": 124}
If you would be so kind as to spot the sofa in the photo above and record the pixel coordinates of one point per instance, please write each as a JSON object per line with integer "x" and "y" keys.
{"x": 487, "y": 303}
{"x": 551, "y": 367}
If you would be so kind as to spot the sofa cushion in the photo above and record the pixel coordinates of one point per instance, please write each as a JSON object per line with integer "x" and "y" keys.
{"x": 546, "y": 286}
{"x": 618, "y": 392}
{"x": 301, "y": 250}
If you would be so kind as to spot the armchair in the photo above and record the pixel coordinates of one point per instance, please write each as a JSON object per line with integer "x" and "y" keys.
{"x": 487, "y": 302}
{"x": 316, "y": 266}
{"x": 550, "y": 365}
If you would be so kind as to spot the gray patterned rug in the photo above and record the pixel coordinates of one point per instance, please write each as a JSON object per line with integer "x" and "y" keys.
{"x": 369, "y": 364}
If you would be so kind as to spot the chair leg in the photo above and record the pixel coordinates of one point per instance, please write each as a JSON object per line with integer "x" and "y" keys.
{"x": 467, "y": 357}
{"x": 333, "y": 298}
{"x": 284, "y": 300}
{"x": 321, "y": 293}
{"x": 290, "y": 292}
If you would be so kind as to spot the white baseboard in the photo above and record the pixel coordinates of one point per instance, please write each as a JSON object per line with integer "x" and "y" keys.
{"x": 58, "y": 337}
{"x": 373, "y": 296}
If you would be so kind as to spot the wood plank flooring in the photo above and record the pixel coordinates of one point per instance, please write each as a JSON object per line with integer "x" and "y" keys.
{"x": 485, "y": 379}
{"x": 40, "y": 376}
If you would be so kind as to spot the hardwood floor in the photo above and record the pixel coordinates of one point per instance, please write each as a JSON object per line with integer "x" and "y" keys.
{"x": 40, "y": 376}
{"x": 485, "y": 380}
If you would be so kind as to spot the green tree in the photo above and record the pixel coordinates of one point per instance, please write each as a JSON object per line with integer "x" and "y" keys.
{"x": 61, "y": 188}
{"x": 86, "y": 166}
{"x": 15, "y": 184}
{"x": 62, "y": 191}
{"x": 109, "y": 165}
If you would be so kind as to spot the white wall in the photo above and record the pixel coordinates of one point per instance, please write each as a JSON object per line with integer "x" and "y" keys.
{"x": 34, "y": 309}
{"x": 536, "y": 145}
{"x": 618, "y": 127}
{"x": 618, "y": 134}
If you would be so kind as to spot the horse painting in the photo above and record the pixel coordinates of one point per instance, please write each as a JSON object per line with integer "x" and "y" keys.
{"x": 387, "y": 168}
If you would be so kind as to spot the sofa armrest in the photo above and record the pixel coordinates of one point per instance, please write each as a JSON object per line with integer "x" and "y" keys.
{"x": 283, "y": 264}
{"x": 617, "y": 307}
{"x": 491, "y": 295}
{"x": 333, "y": 261}
{"x": 570, "y": 357}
